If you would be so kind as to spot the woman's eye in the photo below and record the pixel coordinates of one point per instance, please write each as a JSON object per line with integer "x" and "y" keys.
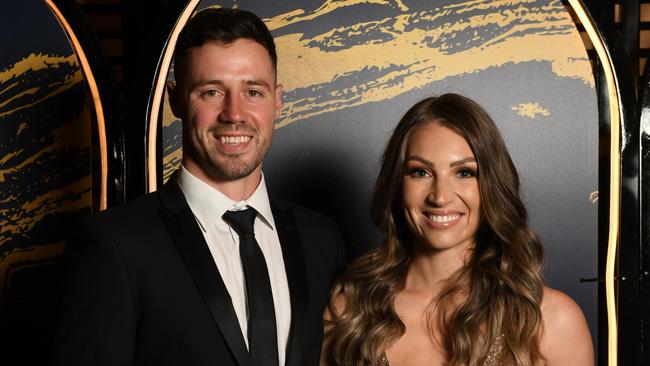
{"x": 467, "y": 173}
{"x": 418, "y": 173}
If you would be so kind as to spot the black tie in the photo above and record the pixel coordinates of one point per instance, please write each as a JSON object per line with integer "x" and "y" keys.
{"x": 262, "y": 332}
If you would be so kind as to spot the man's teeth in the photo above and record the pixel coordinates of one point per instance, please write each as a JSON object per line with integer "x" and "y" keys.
{"x": 234, "y": 140}
{"x": 443, "y": 218}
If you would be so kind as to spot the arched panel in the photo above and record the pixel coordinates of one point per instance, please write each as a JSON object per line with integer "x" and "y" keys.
{"x": 351, "y": 69}
{"x": 52, "y": 118}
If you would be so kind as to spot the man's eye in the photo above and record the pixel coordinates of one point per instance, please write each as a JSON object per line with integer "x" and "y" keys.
{"x": 254, "y": 93}
{"x": 209, "y": 93}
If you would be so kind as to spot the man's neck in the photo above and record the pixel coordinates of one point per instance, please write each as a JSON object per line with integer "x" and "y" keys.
{"x": 237, "y": 190}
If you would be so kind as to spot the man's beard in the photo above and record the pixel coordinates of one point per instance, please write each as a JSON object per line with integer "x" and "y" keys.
{"x": 228, "y": 167}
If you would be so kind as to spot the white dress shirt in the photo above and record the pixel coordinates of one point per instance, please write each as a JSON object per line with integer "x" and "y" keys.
{"x": 208, "y": 206}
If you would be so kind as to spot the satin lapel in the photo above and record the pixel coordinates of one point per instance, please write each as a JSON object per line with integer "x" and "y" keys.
{"x": 189, "y": 241}
{"x": 294, "y": 263}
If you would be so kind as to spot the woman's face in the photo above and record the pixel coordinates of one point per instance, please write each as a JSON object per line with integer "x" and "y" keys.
{"x": 440, "y": 193}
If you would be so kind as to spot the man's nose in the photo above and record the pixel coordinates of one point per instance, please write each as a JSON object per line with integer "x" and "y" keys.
{"x": 232, "y": 109}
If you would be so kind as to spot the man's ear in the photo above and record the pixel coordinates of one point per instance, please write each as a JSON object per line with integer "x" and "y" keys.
{"x": 278, "y": 100}
{"x": 174, "y": 101}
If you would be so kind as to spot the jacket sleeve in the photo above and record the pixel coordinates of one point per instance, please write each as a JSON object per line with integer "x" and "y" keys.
{"x": 96, "y": 324}
{"x": 341, "y": 258}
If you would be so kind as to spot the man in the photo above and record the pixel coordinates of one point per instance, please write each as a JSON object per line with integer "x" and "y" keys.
{"x": 208, "y": 270}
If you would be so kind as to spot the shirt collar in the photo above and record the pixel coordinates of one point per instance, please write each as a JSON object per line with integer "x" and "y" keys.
{"x": 209, "y": 204}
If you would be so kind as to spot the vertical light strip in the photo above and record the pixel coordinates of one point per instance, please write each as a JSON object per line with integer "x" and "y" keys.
{"x": 97, "y": 102}
{"x": 159, "y": 90}
{"x": 614, "y": 180}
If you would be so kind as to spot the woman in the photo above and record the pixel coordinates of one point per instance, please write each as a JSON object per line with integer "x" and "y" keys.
{"x": 457, "y": 280}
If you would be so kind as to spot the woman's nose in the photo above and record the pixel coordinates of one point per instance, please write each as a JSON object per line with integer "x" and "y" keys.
{"x": 442, "y": 192}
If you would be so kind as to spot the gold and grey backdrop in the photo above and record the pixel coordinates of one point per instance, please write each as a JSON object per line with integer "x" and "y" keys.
{"x": 45, "y": 168}
{"x": 350, "y": 69}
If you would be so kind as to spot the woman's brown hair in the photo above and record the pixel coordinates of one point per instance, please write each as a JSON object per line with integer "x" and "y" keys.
{"x": 501, "y": 283}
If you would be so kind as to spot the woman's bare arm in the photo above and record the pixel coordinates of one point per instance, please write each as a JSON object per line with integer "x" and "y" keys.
{"x": 565, "y": 338}
{"x": 339, "y": 306}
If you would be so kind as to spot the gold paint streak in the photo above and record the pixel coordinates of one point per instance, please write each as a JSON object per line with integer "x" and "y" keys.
{"x": 176, "y": 155}
{"x": 24, "y": 92}
{"x": 25, "y": 162}
{"x": 473, "y": 5}
{"x": 97, "y": 102}
{"x": 77, "y": 187}
{"x": 296, "y": 16}
{"x": 21, "y": 128}
{"x": 9, "y": 199}
{"x": 32, "y": 256}
{"x": 68, "y": 83}
{"x": 62, "y": 138}
{"x": 13, "y": 85}
{"x": 34, "y": 62}
{"x": 159, "y": 90}
{"x": 530, "y": 110}
{"x": 574, "y": 68}
{"x": 430, "y": 65}
{"x": 8, "y": 157}
{"x": 614, "y": 181}
{"x": 296, "y": 54}
{"x": 47, "y": 204}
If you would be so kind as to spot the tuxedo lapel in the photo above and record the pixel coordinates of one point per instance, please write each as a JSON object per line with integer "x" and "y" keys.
{"x": 186, "y": 235}
{"x": 294, "y": 263}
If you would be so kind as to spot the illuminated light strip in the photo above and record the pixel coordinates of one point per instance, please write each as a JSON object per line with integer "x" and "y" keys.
{"x": 614, "y": 180}
{"x": 154, "y": 106}
{"x": 94, "y": 91}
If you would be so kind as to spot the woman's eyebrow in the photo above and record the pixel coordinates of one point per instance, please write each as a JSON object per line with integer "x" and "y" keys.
{"x": 470, "y": 159}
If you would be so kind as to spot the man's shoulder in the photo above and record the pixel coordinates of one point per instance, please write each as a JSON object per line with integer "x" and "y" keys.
{"x": 299, "y": 212}
{"x": 131, "y": 219}
{"x": 316, "y": 225}
{"x": 139, "y": 207}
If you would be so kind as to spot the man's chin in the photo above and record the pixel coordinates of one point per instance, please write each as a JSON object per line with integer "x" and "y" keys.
{"x": 229, "y": 172}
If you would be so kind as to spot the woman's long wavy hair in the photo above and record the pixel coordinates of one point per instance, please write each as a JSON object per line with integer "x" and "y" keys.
{"x": 500, "y": 286}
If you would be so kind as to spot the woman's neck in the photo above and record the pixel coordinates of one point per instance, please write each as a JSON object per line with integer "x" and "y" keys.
{"x": 430, "y": 268}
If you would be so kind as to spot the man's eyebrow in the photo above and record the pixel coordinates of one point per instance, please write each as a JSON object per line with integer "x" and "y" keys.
{"x": 206, "y": 82}
{"x": 250, "y": 82}
{"x": 259, "y": 82}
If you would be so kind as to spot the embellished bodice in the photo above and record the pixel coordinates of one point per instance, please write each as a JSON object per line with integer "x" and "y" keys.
{"x": 492, "y": 358}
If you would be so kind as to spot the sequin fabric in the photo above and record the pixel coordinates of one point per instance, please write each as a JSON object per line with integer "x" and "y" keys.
{"x": 492, "y": 358}
{"x": 383, "y": 361}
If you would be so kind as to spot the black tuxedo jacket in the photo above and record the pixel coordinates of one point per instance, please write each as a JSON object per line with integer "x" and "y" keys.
{"x": 142, "y": 288}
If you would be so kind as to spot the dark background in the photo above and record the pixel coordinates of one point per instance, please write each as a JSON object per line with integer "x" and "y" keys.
{"x": 129, "y": 36}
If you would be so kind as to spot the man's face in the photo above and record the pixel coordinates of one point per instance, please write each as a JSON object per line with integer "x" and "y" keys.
{"x": 228, "y": 103}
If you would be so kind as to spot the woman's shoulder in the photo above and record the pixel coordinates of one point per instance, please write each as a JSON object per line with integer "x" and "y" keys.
{"x": 565, "y": 334}
{"x": 337, "y": 305}
{"x": 558, "y": 304}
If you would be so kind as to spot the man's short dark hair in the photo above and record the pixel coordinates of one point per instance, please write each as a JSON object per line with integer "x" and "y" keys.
{"x": 221, "y": 25}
